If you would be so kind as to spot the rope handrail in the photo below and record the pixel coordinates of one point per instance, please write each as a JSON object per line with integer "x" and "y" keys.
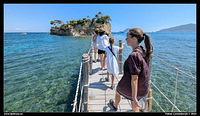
{"x": 158, "y": 104}
{"x": 147, "y": 98}
{"x": 77, "y": 88}
{"x": 123, "y": 57}
{"x": 81, "y": 98}
{"x": 175, "y": 68}
{"x": 175, "y": 90}
{"x": 76, "y": 95}
{"x": 165, "y": 96}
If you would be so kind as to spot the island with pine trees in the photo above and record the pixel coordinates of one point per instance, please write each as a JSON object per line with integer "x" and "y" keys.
{"x": 81, "y": 27}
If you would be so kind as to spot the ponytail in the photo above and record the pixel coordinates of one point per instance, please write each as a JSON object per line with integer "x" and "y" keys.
{"x": 111, "y": 41}
{"x": 148, "y": 47}
{"x": 140, "y": 35}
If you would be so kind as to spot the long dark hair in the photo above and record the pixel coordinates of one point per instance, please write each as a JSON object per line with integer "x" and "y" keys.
{"x": 140, "y": 35}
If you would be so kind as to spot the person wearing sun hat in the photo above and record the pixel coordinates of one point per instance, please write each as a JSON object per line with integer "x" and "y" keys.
{"x": 103, "y": 42}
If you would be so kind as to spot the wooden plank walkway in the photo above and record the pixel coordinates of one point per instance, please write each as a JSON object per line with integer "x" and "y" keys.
{"x": 99, "y": 92}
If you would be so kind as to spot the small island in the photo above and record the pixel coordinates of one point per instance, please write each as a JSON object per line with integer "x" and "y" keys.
{"x": 84, "y": 27}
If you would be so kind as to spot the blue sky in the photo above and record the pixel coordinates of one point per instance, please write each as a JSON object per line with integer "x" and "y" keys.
{"x": 149, "y": 17}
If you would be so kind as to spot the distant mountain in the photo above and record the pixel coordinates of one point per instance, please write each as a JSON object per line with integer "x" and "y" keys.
{"x": 182, "y": 28}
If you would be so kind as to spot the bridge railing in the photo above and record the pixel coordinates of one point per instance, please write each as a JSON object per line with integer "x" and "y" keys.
{"x": 80, "y": 103}
{"x": 175, "y": 88}
{"x": 157, "y": 88}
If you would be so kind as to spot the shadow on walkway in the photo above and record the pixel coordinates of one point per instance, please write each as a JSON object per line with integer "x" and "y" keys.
{"x": 103, "y": 73}
{"x": 99, "y": 85}
{"x": 95, "y": 70}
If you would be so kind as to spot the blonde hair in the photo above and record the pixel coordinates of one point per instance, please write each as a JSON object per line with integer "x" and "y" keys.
{"x": 111, "y": 41}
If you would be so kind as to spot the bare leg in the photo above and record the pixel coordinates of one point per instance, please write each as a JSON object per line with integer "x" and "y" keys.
{"x": 108, "y": 75}
{"x": 101, "y": 60}
{"x": 104, "y": 60}
{"x": 95, "y": 51}
{"x": 112, "y": 81}
{"x": 117, "y": 99}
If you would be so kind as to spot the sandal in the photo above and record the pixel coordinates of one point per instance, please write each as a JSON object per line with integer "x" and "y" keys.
{"x": 106, "y": 79}
{"x": 111, "y": 102}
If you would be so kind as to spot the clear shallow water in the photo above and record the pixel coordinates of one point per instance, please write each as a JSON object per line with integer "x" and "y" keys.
{"x": 41, "y": 70}
{"x": 179, "y": 50}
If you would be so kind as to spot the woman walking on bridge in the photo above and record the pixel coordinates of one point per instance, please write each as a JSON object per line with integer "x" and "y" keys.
{"x": 134, "y": 84}
{"x": 103, "y": 42}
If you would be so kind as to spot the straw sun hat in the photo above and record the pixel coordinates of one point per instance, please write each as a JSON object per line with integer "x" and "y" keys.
{"x": 101, "y": 30}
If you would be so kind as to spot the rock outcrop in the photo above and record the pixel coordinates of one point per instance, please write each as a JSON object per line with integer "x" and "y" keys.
{"x": 79, "y": 30}
{"x": 81, "y": 27}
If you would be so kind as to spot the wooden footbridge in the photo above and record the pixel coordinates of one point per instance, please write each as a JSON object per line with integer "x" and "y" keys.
{"x": 93, "y": 92}
{"x": 99, "y": 92}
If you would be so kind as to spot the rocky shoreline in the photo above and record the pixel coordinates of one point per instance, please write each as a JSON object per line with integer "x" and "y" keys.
{"x": 79, "y": 28}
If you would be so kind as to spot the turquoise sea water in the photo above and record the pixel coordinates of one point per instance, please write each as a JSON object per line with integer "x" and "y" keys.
{"x": 179, "y": 50}
{"x": 41, "y": 70}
